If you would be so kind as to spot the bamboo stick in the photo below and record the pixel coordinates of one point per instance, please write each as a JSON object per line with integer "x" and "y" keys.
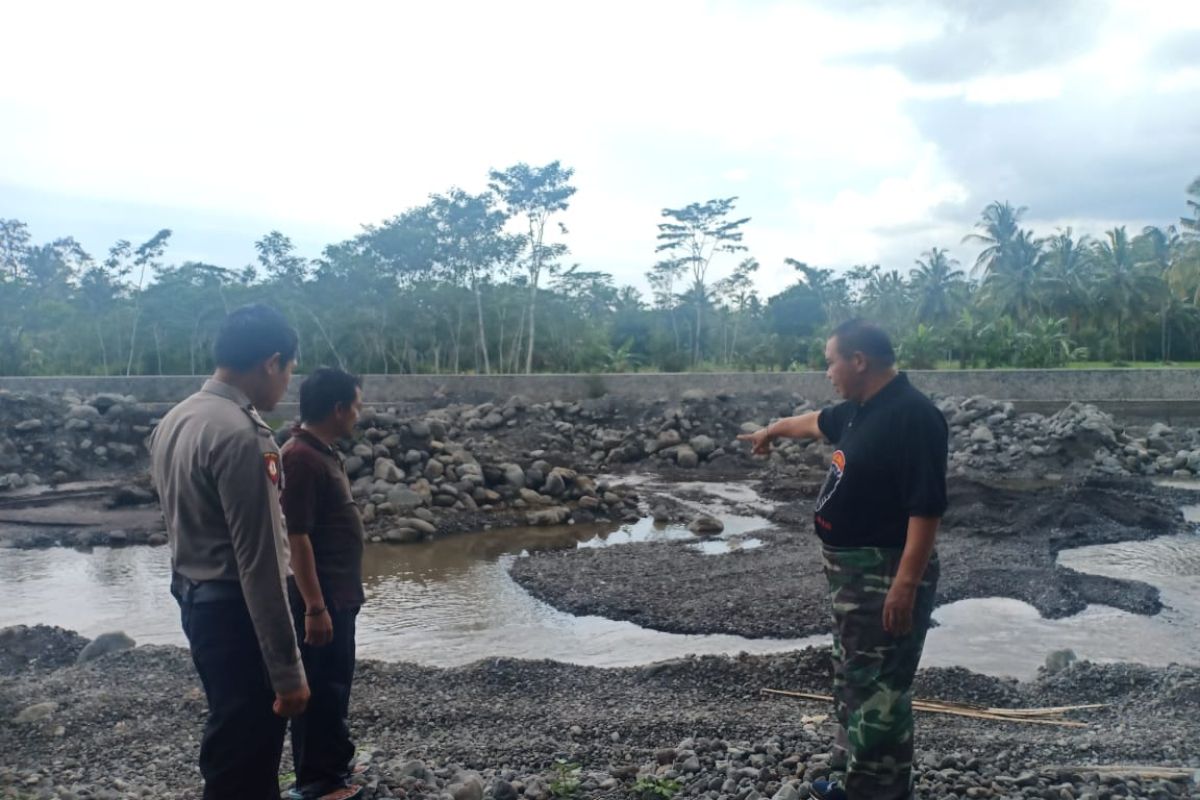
{"x": 1032, "y": 716}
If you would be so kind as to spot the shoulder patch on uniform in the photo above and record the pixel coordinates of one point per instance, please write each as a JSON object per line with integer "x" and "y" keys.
{"x": 272, "y": 462}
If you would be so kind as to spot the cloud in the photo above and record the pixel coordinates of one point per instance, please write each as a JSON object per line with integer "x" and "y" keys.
{"x": 852, "y": 132}
{"x": 970, "y": 38}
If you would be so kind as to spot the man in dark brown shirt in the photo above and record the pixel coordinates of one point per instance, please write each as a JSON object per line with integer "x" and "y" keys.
{"x": 325, "y": 530}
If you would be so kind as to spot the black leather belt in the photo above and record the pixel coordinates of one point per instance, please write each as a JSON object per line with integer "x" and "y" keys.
{"x": 187, "y": 590}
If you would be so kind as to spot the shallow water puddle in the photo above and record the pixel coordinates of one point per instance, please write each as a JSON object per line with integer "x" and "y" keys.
{"x": 721, "y": 547}
{"x": 452, "y": 601}
{"x": 442, "y": 603}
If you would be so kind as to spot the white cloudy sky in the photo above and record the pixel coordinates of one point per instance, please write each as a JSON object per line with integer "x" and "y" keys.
{"x": 853, "y": 132}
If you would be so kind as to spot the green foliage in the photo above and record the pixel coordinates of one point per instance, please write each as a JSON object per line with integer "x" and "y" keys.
{"x": 481, "y": 283}
{"x": 921, "y": 349}
{"x": 565, "y": 782}
{"x": 656, "y": 787}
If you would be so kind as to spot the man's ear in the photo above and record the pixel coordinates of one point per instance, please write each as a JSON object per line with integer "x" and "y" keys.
{"x": 274, "y": 364}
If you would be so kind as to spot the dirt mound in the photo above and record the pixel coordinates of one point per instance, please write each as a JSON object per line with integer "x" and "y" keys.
{"x": 38, "y": 648}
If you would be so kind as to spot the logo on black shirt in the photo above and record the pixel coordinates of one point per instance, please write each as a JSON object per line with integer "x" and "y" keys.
{"x": 837, "y": 468}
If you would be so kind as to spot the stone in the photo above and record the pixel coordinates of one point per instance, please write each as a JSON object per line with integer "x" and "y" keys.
{"x": 703, "y": 445}
{"x": 414, "y": 769}
{"x": 157, "y": 539}
{"x": 536, "y": 789}
{"x": 514, "y": 476}
{"x": 84, "y": 412}
{"x": 668, "y": 438}
{"x": 554, "y": 484}
{"x": 35, "y": 713}
{"x": 589, "y": 503}
{"x": 503, "y": 790}
{"x": 706, "y": 523}
{"x": 353, "y": 465}
{"x": 469, "y": 789}
{"x": 386, "y": 470}
{"x": 402, "y": 499}
{"x": 982, "y": 434}
{"x": 28, "y": 426}
{"x": 1060, "y": 660}
{"x": 420, "y": 429}
{"x": 661, "y": 514}
{"x": 117, "y": 538}
{"x": 425, "y": 527}
{"x": 555, "y": 515}
{"x": 686, "y": 457}
{"x": 402, "y": 535}
{"x": 434, "y": 469}
{"x": 787, "y": 792}
{"x": 535, "y": 499}
{"x": 104, "y": 644}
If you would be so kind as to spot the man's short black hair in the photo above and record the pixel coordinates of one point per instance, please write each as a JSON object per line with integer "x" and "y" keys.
{"x": 324, "y": 390}
{"x": 252, "y": 334}
{"x": 860, "y": 336}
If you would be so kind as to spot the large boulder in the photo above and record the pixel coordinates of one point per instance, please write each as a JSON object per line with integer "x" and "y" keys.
{"x": 104, "y": 644}
{"x": 686, "y": 457}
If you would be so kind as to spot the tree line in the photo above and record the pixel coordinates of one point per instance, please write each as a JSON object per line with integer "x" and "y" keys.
{"x": 484, "y": 282}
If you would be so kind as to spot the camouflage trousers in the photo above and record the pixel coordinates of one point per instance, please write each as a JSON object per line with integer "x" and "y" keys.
{"x": 873, "y": 671}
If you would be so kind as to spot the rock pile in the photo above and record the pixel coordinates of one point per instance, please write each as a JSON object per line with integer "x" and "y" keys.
{"x": 62, "y": 438}
{"x": 413, "y": 479}
{"x": 988, "y": 436}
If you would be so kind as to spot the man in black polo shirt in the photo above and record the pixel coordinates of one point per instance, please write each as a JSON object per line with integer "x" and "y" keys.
{"x": 326, "y": 535}
{"x": 877, "y": 515}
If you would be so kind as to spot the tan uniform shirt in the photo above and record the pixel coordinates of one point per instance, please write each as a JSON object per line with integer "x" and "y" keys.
{"x": 218, "y": 473}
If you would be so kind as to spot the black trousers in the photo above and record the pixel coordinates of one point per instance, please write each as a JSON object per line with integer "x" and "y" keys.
{"x": 243, "y": 738}
{"x": 321, "y": 746}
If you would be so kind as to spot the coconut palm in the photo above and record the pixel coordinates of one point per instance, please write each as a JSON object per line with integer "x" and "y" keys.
{"x": 997, "y": 230}
{"x": 1067, "y": 277}
{"x": 1014, "y": 284}
{"x": 937, "y": 286}
{"x": 1191, "y": 224}
{"x": 1124, "y": 288}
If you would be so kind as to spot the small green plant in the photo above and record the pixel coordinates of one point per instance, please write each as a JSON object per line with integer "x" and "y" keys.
{"x": 656, "y": 787}
{"x": 565, "y": 783}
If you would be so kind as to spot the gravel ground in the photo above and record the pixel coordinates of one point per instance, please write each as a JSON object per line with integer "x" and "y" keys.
{"x": 997, "y": 542}
{"x": 127, "y": 725}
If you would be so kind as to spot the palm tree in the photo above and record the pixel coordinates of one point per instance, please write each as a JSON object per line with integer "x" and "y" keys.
{"x": 1013, "y": 284}
{"x": 1191, "y": 226}
{"x": 833, "y": 294}
{"x": 937, "y": 286}
{"x": 998, "y": 228}
{"x": 1067, "y": 276}
{"x": 1124, "y": 288}
{"x": 885, "y": 297}
{"x": 1157, "y": 251}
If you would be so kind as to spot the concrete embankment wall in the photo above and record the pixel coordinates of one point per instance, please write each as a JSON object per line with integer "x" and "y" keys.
{"x": 1171, "y": 395}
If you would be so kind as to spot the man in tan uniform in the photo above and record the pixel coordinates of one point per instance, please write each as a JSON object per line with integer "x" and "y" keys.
{"x": 218, "y": 474}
